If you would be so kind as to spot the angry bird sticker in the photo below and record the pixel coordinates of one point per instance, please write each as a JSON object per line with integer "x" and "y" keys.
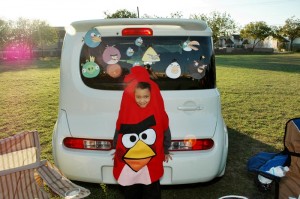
{"x": 173, "y": 71}
{"x": 90, "y": 69}
{"x": 139, "y": 41}
{"x": 111, "y": 55}
{"x": 197, "y": 70}
{"x": 114, "y": 70}
{"x": 129, "y": 52}
{"x": 190, "y": 45}
{"x": 92, "y": 38}
{"x": 150, "y": 56}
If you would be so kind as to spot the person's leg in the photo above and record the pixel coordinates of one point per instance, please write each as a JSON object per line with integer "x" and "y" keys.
{"x": 152, "y": 191}
{"x": 133, "y": 191}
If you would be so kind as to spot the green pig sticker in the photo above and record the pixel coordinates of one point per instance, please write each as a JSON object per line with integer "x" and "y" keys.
{"x": 90, "y": 69}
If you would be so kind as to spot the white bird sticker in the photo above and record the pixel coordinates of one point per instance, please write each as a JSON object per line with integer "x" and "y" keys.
{"x": 173, "y": 71}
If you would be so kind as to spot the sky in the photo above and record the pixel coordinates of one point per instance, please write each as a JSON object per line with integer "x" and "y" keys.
{"x": 64, "y": 12}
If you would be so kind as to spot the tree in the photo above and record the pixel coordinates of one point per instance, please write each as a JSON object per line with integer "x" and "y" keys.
{"x": 177, "y": 15}
{"x": 20, "y": 41}
{"x": 25, "y": 35}
{"x": 277, "y": 34}
{"x": 43, "y": 34}
{"x": 291, "y": 29}
{"x": 221, "y": 24}
{"x": 4, "y": 32}
{"x": 121, "y": 14}
{"x": 257, "y": 31}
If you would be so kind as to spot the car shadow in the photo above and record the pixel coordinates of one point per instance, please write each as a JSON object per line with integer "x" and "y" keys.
{"x": 236, "y": 181}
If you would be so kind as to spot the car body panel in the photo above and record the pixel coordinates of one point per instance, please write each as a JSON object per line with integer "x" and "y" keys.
{"x": 86, "y": 112}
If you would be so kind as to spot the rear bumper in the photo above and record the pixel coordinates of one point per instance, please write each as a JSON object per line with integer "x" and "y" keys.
{"x": 97, "y": 166}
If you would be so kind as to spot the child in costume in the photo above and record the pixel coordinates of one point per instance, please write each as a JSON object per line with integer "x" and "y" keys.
{"x": 142, "y": 137}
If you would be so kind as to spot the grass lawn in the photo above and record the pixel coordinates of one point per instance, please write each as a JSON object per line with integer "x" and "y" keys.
{"x": 259, "y": 94}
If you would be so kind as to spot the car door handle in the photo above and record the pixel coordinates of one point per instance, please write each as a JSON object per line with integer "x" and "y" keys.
{"x": 189, "y": 108}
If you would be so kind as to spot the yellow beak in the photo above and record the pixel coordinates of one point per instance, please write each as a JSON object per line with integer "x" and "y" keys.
{"x": 138, "y": 156}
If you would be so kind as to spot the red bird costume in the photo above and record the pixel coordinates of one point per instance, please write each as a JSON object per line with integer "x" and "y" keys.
{"x": 140, "y": 131}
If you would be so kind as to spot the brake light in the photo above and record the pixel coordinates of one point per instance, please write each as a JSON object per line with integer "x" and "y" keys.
{"x": 191, "y": 145}
{"x": 137, "y": 32}
{"x": 87, "y": 144}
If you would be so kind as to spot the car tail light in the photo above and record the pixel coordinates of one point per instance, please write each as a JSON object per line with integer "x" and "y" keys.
{"x": 87, "y": 144}
{"x": 191, "y": 144}
{"x": 137, "y": 32}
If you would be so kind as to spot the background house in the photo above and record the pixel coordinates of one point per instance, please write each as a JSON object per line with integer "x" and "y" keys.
{"x": 236, "y": 44}
{"x": 233, "y": 41}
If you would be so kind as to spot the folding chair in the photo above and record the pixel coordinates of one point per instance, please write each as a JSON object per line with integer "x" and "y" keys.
{"x": 23, "y": 174}
{"x": 289, "y": 185}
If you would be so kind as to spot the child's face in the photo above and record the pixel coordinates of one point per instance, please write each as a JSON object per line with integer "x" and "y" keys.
{"x": 142, "y": 97}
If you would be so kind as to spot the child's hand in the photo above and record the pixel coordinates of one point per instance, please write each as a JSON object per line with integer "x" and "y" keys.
{"x": 167, "y": 157}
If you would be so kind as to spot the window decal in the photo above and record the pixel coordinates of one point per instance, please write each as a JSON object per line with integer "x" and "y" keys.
{"x": 111, "y": 55}
{"x": 90, "y": 69}
{"x": 150, "y": 56}
{"x": 129, "y": 52}
{"x": 114, "y": 70}
{"x": 198, "y": 69}
{"x": 139, "y": 41}
{"x": 190, "y": 45}
{"x": 173, "y": 71}
{"x": 92, "y": 38}
{"x": 116, "y": 55}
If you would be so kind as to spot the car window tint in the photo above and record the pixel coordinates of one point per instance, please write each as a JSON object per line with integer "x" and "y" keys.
{"x": 175, "y": 63}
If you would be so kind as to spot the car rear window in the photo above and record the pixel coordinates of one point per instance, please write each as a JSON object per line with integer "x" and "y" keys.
{"x": 173, "y": 62}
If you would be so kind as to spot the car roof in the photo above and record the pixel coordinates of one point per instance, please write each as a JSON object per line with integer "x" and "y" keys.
{"x": 186, "y": 24}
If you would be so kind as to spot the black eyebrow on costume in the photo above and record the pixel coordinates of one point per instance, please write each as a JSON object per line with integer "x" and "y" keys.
{"x": 139, "y": 127}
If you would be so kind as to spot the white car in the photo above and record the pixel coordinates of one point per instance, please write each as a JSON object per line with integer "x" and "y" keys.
{"x": 179, "y": 56}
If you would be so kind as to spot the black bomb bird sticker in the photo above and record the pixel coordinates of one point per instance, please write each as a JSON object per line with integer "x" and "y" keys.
{"x": 198, "y": 69}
